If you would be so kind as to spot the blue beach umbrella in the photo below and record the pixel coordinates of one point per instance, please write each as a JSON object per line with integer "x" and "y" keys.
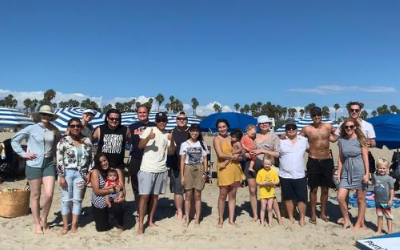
{"x": 12, "y": 117}
{"x": 236, "y": 120}
{"x": 387, "y": 130}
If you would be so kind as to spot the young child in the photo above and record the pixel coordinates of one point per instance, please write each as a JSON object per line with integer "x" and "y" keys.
{"x": 112, "y": 181}
{"x": 384, "y": 193}
{"x": 267, "y": 178}
{"x": 248, "y": 144}
{"x": 237, "y": 149}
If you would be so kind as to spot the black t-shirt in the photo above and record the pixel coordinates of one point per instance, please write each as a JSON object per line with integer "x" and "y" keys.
{"x": 136, "y": 130}
{"x": 112, "y": 144}
{"x": 179, "y": 136}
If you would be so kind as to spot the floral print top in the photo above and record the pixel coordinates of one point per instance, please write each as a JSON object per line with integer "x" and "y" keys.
{"x": 67, "y": 155}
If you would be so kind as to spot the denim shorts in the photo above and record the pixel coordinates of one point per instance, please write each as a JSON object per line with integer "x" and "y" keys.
{"x": 48, "y": 168}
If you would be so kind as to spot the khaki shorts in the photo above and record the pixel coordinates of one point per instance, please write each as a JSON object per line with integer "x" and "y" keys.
{"x": 194, "y": 176}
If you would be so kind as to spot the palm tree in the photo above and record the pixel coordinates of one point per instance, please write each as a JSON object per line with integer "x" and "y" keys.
{"x": 364, "y": 115}
{"x": 159, "y": 99}
{"x": 301, "y": 111}
{"x": 336, "y": 106}
{"x": 246, "y": 108}
{"x": 374, "y": 113}
{"x": 394, "y": 109}
{"x": 325, "y": 112}
{"x": 27, "y": 104}
{"x": 217, "y": 108}
{"x": 237, "y": 107}
{"x": 195, "y": 104}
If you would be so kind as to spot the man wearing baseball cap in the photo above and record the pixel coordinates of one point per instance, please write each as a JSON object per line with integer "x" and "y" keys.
{"x": 291, "y": 171}
{"x": 153, "y": 173}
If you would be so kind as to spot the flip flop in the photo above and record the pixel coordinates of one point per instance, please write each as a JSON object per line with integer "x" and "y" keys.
{"x": 312, "y": 221}
{"x": 326, "y": 219}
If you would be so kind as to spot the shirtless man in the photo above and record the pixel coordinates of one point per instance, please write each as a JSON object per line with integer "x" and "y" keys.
{"x": 320, "y": 163}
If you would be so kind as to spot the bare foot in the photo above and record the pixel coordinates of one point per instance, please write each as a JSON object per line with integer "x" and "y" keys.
{"x": 220, "y": 224}
{"x": 178, "y": 215}
{"x": 324, "y": 218}
{"x": 270, "y": 224}
{"x": 152, "y": 224}
{"x": 140, "y": 231}
{"x": 340, "y": 221}
{"x": 44, "y": 225}
{"x": 38, "y": 229}
{"x": 64, "y": 230}
{"x": 356, "y": 228}
{"x": 74, "y": 229}
{"x": 291, "y": 220}
{"x": 234, "y": 224}
{"x": 280, "y": 222}
{"x": 346, "y": 224}
{"x": 378, "y": 233}
{"x": 186, "y": 222}
{"x": 255, "y": 219}
{"x": 302, "y": 223}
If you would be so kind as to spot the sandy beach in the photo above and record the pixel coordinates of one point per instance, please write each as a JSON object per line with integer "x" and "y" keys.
{"x": 18, "y": 233}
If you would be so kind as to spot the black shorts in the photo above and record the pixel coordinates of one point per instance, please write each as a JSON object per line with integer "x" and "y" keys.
{"x": 294, "y": 189}
{"x": 319, "y": 172}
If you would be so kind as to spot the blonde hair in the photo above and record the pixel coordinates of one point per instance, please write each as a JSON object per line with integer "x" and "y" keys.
{"x": 360, "y": 135}
{"x": 382, "y": 162}
{"x": 268, "y": 157}
{"x": 250, "y": 127}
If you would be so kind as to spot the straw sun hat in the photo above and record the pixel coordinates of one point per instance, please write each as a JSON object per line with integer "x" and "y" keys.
{"x": 45, "y": 109}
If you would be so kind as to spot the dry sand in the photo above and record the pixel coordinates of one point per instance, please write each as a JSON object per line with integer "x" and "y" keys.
{"x": 18, "y": 233}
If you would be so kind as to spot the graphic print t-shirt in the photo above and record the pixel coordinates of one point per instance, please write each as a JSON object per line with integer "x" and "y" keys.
{"x": 112, "y": 144}
{"x": 193, "y": 151}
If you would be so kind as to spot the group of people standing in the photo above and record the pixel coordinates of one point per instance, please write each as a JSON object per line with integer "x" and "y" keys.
{"x": 149, "y": 162}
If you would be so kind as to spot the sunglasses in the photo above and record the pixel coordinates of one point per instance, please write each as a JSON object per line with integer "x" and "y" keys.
{"x": 354, "y": 110}
{"x": 113, "y": 119}
{"x": 44, "y": 114}
{"x": 315, "y": 115}
{"x": 181, "y": 119}
{"x": 75, "y": 126}
{"x": 264, "y": 123}
{"x": 289, "y": 128}
{"x": 349, "y": 127}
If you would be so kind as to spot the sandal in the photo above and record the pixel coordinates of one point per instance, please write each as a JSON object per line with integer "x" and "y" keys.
{"x": 312, "y": 221}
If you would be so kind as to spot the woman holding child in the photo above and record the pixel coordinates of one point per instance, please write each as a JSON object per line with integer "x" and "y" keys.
{"x": 74, "y": 157}
{"x": 99, "y": 205}
{"x": 229, "y": 176}
{"x": 265, "y": 143}
{"x": 353, "y": 169}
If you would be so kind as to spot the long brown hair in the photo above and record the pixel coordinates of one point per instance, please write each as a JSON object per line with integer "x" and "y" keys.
{"x": 360, "y": 135}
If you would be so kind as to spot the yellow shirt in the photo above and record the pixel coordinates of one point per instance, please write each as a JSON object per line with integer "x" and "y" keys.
{"x": 266, "y": 192}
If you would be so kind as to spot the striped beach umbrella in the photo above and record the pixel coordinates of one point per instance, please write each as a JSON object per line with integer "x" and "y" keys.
{"x": 65, "y": 114}
{"x": 303, "y": 122}
{"x": 12, "y": 117}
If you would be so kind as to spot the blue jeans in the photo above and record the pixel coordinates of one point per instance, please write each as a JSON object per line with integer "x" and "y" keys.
{"x": 72, "y": 192}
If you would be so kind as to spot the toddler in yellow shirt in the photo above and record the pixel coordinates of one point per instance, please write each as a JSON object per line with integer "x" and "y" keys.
{"x": 267, "y": 178}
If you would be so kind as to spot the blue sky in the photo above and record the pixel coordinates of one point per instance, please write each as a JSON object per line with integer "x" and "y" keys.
{"x": 288, "y": 52}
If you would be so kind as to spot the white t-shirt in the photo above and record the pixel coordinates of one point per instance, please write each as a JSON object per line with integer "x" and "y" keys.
{"x": 156, "y": 151}
{"x": 194, "y": 152}
{"x": 366, "y": 128}
{"x": 291, "y": 158}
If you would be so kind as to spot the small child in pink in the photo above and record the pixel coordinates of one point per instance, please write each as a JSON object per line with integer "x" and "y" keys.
{"x": 111, "y": 183}
{"x": 248, "y": 144}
